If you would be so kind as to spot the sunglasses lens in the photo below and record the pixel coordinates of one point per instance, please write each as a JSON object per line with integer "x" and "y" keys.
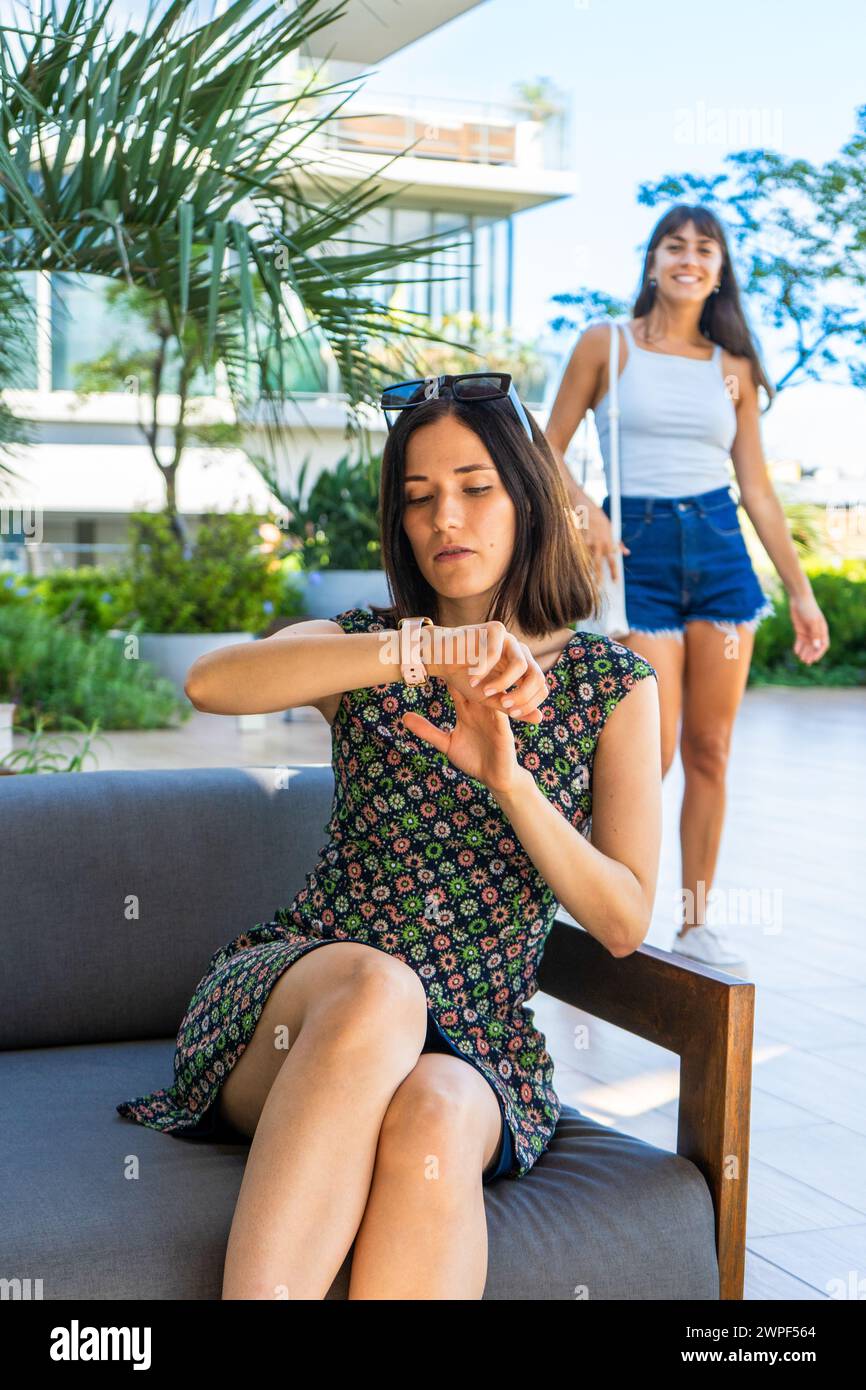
{"x": 404, "y": 393}
{"x": 478, "y": 388}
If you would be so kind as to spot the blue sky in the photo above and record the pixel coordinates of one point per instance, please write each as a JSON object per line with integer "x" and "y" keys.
{"x": 631, "y": 69}
{"x": 658, "y": 88}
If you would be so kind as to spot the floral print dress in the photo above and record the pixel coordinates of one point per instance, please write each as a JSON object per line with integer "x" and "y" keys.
{"x": 421, "y": 863}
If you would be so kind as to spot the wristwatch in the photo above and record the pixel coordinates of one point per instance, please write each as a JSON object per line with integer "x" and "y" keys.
{"x": 412, "y": 667}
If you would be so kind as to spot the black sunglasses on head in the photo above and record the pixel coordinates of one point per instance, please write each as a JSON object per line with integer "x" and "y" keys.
{"x": 466, "y": 386}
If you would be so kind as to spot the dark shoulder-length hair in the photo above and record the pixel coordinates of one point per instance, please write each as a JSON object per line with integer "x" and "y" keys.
{"x": 723, "y": 319}
{"x": 550, "y": 581}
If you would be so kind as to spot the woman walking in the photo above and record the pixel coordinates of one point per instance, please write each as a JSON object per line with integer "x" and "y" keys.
{"x": 384, "y": 1084}
{"x": 689, "y": 373}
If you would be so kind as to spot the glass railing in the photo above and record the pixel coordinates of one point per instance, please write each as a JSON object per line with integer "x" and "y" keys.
{"x": 451, "y": 129}
{"x": 44, "y": 557}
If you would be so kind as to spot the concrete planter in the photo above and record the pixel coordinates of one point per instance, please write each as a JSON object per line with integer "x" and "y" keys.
{"x": 7, "y": 714}
{"x": 172, "y": 653}
{"x": 328, "y": 592}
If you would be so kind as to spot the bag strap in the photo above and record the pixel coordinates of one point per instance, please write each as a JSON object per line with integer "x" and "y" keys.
{"x": 613, "y": 417}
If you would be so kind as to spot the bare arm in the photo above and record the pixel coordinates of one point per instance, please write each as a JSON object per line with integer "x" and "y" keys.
{"x": 765, "y": 511}
{"x": 295, "y": 666}
{"x": 309, "y": 663}
{"x": 609, "y": 885}
{"x": 584, "y": 381}
{"x": 756, "y": 489}
{"x": 577, "y": 391}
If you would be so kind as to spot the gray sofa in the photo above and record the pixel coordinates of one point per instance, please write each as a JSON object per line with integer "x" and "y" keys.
{"x": 91, "y": 1001}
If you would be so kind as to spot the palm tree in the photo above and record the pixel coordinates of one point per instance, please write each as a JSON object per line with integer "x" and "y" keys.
{"x": 538, "y": 98}
{"x": 172, "y": 159}
{"x": 17, "y": 353}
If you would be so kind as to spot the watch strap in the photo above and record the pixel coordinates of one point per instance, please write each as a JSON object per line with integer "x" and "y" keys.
{"x": 413, "y": 670}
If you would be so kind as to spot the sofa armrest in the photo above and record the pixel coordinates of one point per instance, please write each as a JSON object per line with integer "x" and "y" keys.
{"x": 707, "y": 1018}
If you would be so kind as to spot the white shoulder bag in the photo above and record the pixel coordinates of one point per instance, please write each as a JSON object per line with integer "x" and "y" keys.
{"x": 611, "y": 618}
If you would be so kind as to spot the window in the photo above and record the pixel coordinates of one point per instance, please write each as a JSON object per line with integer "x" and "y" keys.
{"x": 85, "y": 327}
{"x": 85, "y": 535}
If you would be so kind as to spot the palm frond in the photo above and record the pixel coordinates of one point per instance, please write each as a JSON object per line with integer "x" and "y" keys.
{"x": 167, "y": 158}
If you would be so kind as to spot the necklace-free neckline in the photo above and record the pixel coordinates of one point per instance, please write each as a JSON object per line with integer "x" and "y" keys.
{"x": 568, "y": 643}
{"x": 677, "y": 356}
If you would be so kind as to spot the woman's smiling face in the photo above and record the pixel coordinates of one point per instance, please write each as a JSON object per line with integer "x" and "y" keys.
{"x": 454, "y": 497}
{"x": 687, "y": 264}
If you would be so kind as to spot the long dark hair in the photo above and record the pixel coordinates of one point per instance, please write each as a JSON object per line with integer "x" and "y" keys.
{"x": 550, "y": 581}
{"x": 723, "y": 319}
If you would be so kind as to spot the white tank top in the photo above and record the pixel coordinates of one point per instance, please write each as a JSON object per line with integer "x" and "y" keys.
{"x": 677, "y": 424}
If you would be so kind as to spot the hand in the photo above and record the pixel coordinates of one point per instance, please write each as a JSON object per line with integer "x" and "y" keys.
{"x": 481, "y": 743}
{"x": 507, "y": 677}
{"x": 598, "y": 535}
{"x": 810, "y": 626}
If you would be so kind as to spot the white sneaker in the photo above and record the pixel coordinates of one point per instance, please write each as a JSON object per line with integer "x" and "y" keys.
{"x": 708, "y": 945}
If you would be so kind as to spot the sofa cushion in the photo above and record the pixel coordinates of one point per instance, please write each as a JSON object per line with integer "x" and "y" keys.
{"x": 119, "y": 886}
{"x": 601, "y": 1215}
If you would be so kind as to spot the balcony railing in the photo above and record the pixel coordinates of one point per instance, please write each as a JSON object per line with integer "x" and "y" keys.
{"x": 43, "y": 557}
{"x": 450, "y": 129}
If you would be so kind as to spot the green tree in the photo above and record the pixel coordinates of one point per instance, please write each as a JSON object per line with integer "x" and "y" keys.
{"x": 155, "y": 374}
{"x": 798, "y": 233}
{"x": 538, "y": 98}
{"x": 486, "y": 348}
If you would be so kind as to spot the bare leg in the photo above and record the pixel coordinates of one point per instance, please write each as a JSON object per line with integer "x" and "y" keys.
{"x": 717, "y": 668}
{"x": 667, "y": 656}
{"x": 357, "y": 1020}
{"x": 424, "y": 1232}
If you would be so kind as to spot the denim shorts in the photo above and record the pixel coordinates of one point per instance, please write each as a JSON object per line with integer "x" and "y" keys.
{"x": 688, "y": 561}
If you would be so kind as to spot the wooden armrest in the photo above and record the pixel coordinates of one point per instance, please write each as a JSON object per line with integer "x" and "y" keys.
{"x": 707, "y": 1018}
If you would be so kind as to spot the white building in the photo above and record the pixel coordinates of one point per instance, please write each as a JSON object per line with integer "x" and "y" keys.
{"x": 473, "y": 168}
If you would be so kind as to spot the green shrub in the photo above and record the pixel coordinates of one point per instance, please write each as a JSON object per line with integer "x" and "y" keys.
{"x": 337, "y": 527}
{"x": 841, "y": 595}
{"x": 95, "y": 599}
{"x": 224, "y": 585}
{"x": 14, "y": 588}
{"x": 69, "y": 677}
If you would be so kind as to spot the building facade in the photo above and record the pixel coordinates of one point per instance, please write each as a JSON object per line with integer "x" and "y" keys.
{"x": 470, "y": 169}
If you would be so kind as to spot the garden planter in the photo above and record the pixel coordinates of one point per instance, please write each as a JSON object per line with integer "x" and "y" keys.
{"x": 7, "y": 714}
{"x": 328, "y": 592}
{"x": 172, "y": 653}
